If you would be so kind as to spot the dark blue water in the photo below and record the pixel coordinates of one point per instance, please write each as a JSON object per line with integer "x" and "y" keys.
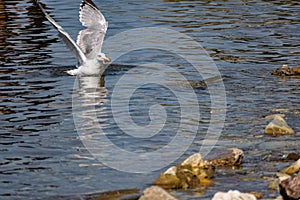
{"x": 42, "y": 154}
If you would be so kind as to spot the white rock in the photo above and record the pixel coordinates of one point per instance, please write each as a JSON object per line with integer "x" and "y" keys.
{"x": 233, "y": 195}
{"x": 171, "y": 171}
{"x": 194, "y": 160}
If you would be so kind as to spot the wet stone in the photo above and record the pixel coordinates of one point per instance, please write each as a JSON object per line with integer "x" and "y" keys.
{"x": 293, "y": 169}
{"x": 156, "y": 193}
{"x": 278, "y": 126}
{"x": 225, "y": 157}
{"x": 258, "y": 195}
{"x": 194, "y": 172}
{"x": 285, "y": 70}
{"x": 233, "y": 195}
{"x": 169, "y": 179}
{"x": 194, "y": 161}
{"x": 290, "y": 188}
{"x": 118, "y": 194}
{"x": 293, "y": 156}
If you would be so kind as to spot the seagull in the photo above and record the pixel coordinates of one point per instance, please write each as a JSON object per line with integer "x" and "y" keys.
{"x": 87, "y": 49}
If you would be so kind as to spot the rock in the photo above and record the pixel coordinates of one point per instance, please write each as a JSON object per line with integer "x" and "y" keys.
{"x": 226, "y": 157}
{"x": 196, "y": 166}
{"x": 293, "y": 169}
{"x": 156, "y": 193}
{"x": 188, "y": 179}
{"x": 233, "y": 195}
{"x": 278, "y": 127}
{"x": 117, "y": 194}
{"x": 169, "y": 179}
{"x": 273, "y": 185}
{"x": 258, "y": 195}
{"x": 292, "y": 156}
{"x": 296, "y": 70}
{"x": 290, "y": 188}
{"x": 191, "y": 173}
{"x": 285, "y": 70}
{"x": 195, "y": 161}
{"x": 282, "y": 176}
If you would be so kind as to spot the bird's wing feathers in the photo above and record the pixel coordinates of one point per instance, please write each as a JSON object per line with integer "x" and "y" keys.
{"x": 75, "y": 49}
{"x": 90, "y": 42}
{"x": 91, "y": 17}
{"x": 91, "y": 39}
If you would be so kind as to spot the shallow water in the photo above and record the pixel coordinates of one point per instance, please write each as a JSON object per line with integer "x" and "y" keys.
{"x": 42, "y": 154}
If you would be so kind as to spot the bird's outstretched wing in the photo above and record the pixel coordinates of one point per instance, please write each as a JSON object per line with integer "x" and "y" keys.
{"x": 91, "y": 39}
{"x": 75, "y": 49}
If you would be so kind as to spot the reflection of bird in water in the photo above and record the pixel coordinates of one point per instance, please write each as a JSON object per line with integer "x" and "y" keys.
{"x": 89, "y": 98}
{"x": 92, "y": 89}
{"x": 89, "y": 41}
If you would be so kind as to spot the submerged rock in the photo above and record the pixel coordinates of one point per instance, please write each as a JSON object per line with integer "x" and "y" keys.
{"x": 226, "y": 157}
{"x": 292, "y": 156}
{"x": 233, "y": 195}
{"x": 110, "y": 195}
{"x": 293, "y": 169}
{"x": 278, "y": 126}
{"x": 285, "y": 70}
{"x": 290, "y": 188}
{"x": 191, "y": 173}
{"x": 156, "y": 193}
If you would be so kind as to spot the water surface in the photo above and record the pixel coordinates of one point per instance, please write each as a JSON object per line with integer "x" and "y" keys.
{"x": 42, "y": 155}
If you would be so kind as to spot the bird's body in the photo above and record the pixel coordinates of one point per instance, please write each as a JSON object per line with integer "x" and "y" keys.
{"x": 87, "y": 49}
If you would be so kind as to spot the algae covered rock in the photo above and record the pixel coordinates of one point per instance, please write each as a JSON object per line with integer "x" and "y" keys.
{"x": 156, "y": 193}
{"x": 233, "y": 195}
{"x": 198, "y": 166}
{"x": 191, "y": 173}
{"x": 169, "y": 179}
{"x": 285, "y": 70}
{"x": 225, "y": 157}
{"x": 278, "y": 126}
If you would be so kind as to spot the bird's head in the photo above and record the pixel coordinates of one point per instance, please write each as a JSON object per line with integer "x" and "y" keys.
{"x": 103, "y": 58}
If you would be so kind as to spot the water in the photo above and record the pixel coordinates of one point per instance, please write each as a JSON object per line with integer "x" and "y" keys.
{"x": 42, "y": 155}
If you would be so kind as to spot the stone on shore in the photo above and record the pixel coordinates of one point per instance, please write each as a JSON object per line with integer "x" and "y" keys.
{"x": 233, "y": 195}
{"x": 156, "y": 193}
{"x": 226, "y": 157}
{"x": 293, "y": 169}
{"x": 195, "y": 172}
{"x": 169, "y": 179}
{"x": 290, "y": 188}
{"x": 191, "y": 173}
{"x": 278, "y": 126}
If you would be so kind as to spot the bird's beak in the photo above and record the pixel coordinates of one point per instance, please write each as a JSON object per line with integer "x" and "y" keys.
{"x": 106, "y": 59}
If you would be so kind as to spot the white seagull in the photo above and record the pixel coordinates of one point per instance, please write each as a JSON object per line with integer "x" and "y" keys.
{"x": 87, "y": 49}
